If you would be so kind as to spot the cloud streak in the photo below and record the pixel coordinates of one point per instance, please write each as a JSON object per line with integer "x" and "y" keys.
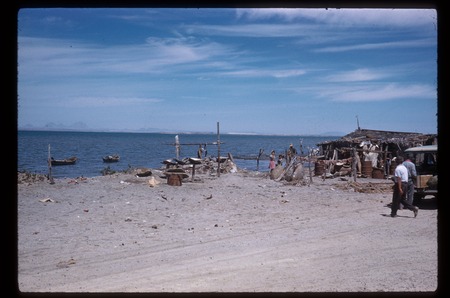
{"x": 358, "y": 75}
{"x": 108, "y": 101}
{"x": 378, "y": 92}
{"x": 428, "y": 42}
{"x": 252, "y": 30}
{"x": 68, "y": 57}
{"x": 345, "y": 17}
{"x": 279, "y": 73}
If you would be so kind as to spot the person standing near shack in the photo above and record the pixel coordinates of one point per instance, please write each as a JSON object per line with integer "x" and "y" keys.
{"x": 280, "y": 160}
{"x": 412, "y": 174}
{"x": 200, "y": 151}
{"x": 272, "y": 161}
{"x": 400, "y": 189}
{"x": 291, "y": 153}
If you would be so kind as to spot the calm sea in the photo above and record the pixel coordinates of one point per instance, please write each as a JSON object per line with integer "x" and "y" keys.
{"x": 142, "y": 149}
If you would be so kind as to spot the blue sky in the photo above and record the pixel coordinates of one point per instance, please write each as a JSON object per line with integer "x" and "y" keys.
{"x": 272, "y": 71}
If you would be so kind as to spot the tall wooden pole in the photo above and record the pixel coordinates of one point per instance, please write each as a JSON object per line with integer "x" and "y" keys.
{"x": 218, "y": 150}
{"x": 261, "y": 151}
{"x": 309, "y": 166}
{"x": 49, "y": 160}
{"x": 177, "y": 147}
{"x": 354, "y": 163}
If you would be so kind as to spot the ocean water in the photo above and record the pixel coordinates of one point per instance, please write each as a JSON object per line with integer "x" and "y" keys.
{"x": 142, "y": 149}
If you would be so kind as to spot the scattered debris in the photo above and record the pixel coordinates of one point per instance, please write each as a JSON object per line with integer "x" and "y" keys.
{"x": 27, "y": 177}
{"x": 66, "y": 264}
{"x": 107, "y": 171}
{"x": 367, "y": 187}
{"x": 152, "y": 182}
{"x": 47, "y": 200}
{"x": 142, "y": 172}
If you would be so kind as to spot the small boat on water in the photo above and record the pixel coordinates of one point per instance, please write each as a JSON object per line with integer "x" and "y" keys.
{"x": 62, "y": 162}
{"x": 111, "y": 158}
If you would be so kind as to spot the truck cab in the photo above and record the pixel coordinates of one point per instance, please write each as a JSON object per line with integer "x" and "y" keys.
{"x": 425, "y": 159}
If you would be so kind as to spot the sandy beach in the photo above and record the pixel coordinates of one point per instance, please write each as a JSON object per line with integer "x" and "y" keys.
{"x": 240, "y": 232}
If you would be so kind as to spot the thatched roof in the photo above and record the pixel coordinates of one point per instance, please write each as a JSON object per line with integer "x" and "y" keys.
{"x": 387, "y": 140}
{"x": 383, "y": 136}
{"x": 370, "y": 134}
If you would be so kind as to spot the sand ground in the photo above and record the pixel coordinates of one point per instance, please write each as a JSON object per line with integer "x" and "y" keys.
{"x": 240, "y": 232}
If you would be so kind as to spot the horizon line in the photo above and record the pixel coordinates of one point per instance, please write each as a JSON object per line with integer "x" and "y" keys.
{"x": 325, "y": 134}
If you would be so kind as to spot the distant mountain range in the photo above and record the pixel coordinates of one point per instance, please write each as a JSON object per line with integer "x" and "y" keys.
{"x": 83, "y": 127}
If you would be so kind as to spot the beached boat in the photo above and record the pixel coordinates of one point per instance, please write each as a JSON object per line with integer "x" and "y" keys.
{"x": 111, "y": 158}
{"x": 62, "y": 162}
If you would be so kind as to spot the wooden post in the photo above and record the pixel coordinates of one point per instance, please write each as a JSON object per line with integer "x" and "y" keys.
{"x": 257, "y": 159}
{"x": 50, "y": 177}
{"x": 177, "y": 147}
{"x": 193, "y": 172}
{"x": 218, "y": 150}
{"x": 354, "y": 164}
{"x": 309, "y": 166}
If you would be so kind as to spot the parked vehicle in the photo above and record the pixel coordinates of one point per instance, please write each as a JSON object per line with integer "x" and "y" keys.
{"x": 425, "y": 159}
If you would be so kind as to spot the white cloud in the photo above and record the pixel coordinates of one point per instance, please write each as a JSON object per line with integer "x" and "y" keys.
{"x": 346, "y": 16}
{"x": 110, "y": 101}
{"x": 358, "y": 75}
{"x": 55, "y": 57}
{"x": 382, "y": 45}
{"x": 279, "y": 73}
{"x": 377, "y": 92}
{"x": 253, "y": 30}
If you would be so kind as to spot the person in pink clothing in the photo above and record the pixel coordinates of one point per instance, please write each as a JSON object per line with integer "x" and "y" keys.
{"x": 272, "y": 161}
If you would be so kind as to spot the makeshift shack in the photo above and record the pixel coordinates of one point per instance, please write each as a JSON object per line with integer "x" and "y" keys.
{"x": 375, "y": 149}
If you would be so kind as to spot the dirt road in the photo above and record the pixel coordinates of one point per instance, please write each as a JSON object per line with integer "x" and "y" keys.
{"x": 237, "y": 233}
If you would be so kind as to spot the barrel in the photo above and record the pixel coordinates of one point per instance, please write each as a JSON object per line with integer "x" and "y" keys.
{"x": 174, "y": 180}
{"x": 366, "y": 168}
{"x": 319, "y": 168}
{"x": 338, "y": 166}
{"x": 377, "y": 173}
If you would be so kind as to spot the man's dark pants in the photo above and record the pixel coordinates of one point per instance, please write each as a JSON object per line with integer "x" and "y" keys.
{"x": 397, "y": 199}
{"x": 410, "y": 195}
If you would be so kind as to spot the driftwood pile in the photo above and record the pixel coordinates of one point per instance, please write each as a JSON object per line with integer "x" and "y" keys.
{"x": 333, "y": 168}
{"x": 292, "y": 172}
{"x": 207, "y": 165}
{"x": 27, "y": 177}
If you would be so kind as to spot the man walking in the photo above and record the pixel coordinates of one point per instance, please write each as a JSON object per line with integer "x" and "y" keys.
{"x": 400, "y": 189}
{"x": 412, "y": 174}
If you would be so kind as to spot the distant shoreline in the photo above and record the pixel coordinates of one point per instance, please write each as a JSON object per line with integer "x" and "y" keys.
{"x": 337, "y": 134}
